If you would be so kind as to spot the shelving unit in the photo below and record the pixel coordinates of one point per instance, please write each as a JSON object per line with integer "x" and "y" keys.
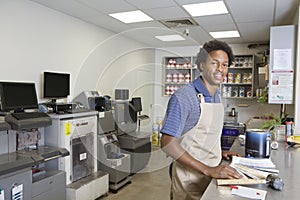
{"x": 239, "y": 81}
{"x": 177, "y": 72}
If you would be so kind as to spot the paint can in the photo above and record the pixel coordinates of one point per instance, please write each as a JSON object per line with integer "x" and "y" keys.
{"x": 257, "y": 143}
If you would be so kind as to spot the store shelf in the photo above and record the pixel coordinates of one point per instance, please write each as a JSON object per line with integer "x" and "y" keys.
{"x": 177, "y": 72}
{"x": 239, "y": 81}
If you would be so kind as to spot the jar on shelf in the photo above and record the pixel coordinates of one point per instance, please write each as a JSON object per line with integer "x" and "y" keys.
{"x": 245, "y": 77}
{"x": 224, "y": 91}
{"x": 168, "y": 77}
{"x": 237, "y": 78}
{"x": 167, "y": 90}
{"x": 230, "y": 78}
{"x": 175, "y": 77}
{"x": 249, "y": 92}
{"x": 187, "y": 77}
{"x": 242, "y": 91}
{"x": 180, "y": 77}
{"x": 249, "y": 79}
{"x": 235, "y": 91}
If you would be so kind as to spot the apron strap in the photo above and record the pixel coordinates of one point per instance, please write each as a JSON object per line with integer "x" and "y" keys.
{"x": 201, "y": 97}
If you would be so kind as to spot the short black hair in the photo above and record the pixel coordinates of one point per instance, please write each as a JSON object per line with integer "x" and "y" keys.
{"x": 212, "y": 46}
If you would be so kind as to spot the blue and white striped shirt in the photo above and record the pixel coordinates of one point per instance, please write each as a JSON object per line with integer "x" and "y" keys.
{"x": 183, "y": 110}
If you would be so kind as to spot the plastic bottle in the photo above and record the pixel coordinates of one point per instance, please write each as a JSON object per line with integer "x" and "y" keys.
{"x": 289, "y": 126}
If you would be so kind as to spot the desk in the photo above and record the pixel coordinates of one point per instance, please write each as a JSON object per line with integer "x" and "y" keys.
{"x": 4, "y": 126}
{"x": 287, "y": 161}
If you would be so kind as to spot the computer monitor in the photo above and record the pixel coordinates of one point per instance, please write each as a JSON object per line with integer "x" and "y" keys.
{"x": 17, "y": 96}
{"x": 56, "y": 85}
{"x": 137, "y": 104}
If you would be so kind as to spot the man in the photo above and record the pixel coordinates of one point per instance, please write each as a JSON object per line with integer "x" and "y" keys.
{"x": 193, "y": 126}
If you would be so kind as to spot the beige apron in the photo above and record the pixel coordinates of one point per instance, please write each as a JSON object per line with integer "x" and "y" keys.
{"x": 203, "y": 142}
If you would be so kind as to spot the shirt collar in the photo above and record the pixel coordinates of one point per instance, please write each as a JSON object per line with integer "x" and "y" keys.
{"x": 200, "y": 87}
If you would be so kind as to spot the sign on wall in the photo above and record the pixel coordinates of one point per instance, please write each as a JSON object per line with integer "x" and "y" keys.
{"x": 282, "y": 50}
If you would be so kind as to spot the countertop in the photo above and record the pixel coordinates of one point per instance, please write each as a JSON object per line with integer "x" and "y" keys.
{"x": 287, "y": 161}
{"x": 14, "y": 161}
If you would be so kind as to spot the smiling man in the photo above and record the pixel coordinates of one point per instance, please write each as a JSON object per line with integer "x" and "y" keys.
{"x": 193, "y": 125}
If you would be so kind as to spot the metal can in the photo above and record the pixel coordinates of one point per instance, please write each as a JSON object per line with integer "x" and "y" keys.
{"x": 257, "y": 143}
{"x": 235, "y": 91}
{"x": 229, "y": 91}
{"x": 242, "y": 92}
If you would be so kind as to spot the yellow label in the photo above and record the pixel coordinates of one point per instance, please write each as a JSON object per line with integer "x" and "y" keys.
{"x": 293, "y": 139}
{"x": 68, "y": 128}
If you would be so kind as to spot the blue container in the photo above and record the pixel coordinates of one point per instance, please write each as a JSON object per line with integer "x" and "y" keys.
{"x": 229, "y": 134}
{"x": 257, "y": 143}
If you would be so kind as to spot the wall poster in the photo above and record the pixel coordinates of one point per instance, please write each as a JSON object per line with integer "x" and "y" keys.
{"x": 281, "y": 72}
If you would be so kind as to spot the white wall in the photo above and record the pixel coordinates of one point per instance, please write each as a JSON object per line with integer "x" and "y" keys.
{"x": 35, "y": 38}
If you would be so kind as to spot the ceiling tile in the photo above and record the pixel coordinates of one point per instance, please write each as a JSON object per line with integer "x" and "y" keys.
{"x": 149, "y": 4}
{"x": 212, "y": 20}
{"x": 69, "y": 7}
{"x": 220, "y": 27}
{"x": 256, "y": 31}
{"x": 254, "y": 10}
{"x": 107, "y": 22}
{"x": 183, "y": 2}
{"x": 175, "y": 12}
{"x": 109, "y": 6}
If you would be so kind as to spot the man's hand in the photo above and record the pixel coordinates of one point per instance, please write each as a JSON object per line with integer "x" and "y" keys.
{"x": 227, "y": 155}
{"x": 223, "y": 171}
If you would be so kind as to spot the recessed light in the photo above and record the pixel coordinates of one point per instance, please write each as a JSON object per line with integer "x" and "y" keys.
{"x": 207, "y": 8}
{"x": 170, "y": 38}
{"x": 225, "y": 34}
{"x": 131, "y": 16}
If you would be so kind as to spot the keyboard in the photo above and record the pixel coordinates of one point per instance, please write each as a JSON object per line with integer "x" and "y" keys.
{"x": 77, "y": 110}
{"x": 143, "y": 117}
{"x": 28, "y": 115}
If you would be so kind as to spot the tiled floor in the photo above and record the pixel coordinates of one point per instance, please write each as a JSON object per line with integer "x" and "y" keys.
{"x": 152, "y": 183}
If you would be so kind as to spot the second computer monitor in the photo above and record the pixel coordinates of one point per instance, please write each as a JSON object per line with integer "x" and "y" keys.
{"x": 137, "y": 104}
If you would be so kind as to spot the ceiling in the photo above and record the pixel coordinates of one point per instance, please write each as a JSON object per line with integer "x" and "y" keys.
{"x": 252, "y": 18}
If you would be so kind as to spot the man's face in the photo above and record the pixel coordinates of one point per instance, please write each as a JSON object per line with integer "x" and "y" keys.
{"x": 215, "y": 68}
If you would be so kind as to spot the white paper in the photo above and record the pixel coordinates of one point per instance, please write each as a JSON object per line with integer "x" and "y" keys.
{"x": 282, "y": 59}
{"x": 251, "y": 193}
{"x": 253, "y": 162}
{"x": 83, "y": 156}
{"x": 17, "y": 192}
{"x": 101, "y": 115}
{"x": 281, "y": 88}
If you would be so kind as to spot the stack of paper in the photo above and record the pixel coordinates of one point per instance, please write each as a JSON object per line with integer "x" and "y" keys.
{"x": 253, "y": 168}
{"x": 253, "y": 162}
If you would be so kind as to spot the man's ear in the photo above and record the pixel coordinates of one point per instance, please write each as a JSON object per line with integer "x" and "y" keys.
{"x": 201, "y": 66}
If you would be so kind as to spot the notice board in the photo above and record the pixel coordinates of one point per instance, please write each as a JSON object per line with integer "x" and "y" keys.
{"x": 282, "y": 59}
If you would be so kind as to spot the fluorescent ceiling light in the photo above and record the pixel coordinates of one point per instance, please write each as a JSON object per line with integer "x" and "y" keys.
{"x": 225, "y": 34}
{"x": 207, "y": 8}
{"x": 169, "y": 38}
{"x": 131, "y": 16}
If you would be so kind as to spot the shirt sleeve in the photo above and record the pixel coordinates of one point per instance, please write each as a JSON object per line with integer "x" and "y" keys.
{"x": 175, "y": 117}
